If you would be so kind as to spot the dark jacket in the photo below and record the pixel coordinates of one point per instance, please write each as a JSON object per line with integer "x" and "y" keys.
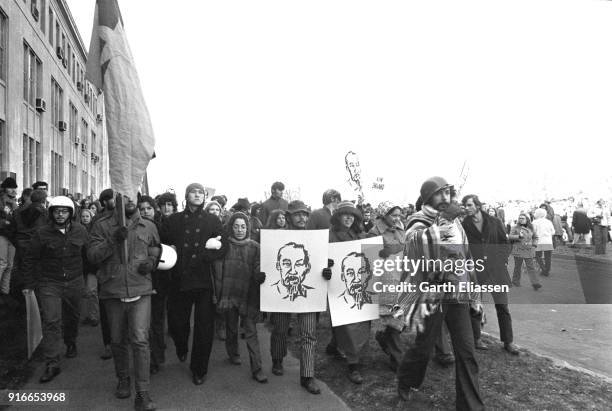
{"x": 340, "y": 235}
{"x": 117, "y": 279}
{"x": 270, "y": 205}
{"x": 53, "y": 255}
{"x": 319, "y": 219}
{"x": 580, "y": 222}
{"x": 492, "y": 243}
{"x": 28, "y": 219}
{"x": 188, "y": 232}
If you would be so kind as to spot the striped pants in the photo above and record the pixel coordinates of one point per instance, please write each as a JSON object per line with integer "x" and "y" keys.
{"x": 307, "y": 323}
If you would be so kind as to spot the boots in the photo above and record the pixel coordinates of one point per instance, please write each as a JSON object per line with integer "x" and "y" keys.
{"x": 143, "y": 402}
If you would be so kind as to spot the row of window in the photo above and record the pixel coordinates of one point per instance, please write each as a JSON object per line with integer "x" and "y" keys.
{"x": 60, "y": 42}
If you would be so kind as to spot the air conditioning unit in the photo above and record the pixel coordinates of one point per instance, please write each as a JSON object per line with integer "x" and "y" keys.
{"x": 65, "y": 62}
{"x": 87, "y": 98}
{"x": 77, "y": 141}
{"x": 99, "y": 118}
{"x": 60, "y": 53}
{"x": 97, "y": 158}
{"x": 35, "y": 12}
{"x": 93, "y": 156}
{"x": 79, "y": 86}
{"x": 62, "y": 125}
{"x": 83, "y": 147}
{"x": 41, "y": 105}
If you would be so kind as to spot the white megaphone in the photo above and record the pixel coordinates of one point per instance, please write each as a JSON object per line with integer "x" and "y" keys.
{"x": 167, "y": 259}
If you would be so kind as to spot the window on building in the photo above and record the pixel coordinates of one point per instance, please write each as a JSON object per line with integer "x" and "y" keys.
{"x": 3, "y": 145}
{"x": 69, "y": 56}
{"x": 57, "y": 34}
{"x": 57, "y": 103}
{"x": 43, "y": 17}
{"x": 32, "y": 75}
{"x": 3, "y": 36}
{"x": 72, "y": 71}
{"x": 31, "y": 160}
{"x": 57, "y": 173}
{"x": 50, "y": 26}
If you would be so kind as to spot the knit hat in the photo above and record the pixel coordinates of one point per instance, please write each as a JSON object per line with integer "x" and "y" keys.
{"x": 9, "y": 182}
{"x": 210, "y": 204}
{"x": 431, "y": 186}
{"x": 347, "y": 207}
{"x": 386, "y": 207}
{"x": 242, "y": 204}
{"x": 38, "y": 196}
{"x": 297, "y": 206}
{"x": 194, "y": 186}
{"x": 106, "y": 194}
{"x": 221, "y": 200}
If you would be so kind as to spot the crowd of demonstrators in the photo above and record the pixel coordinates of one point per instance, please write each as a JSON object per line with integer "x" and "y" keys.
{"x": 73, "y": 256}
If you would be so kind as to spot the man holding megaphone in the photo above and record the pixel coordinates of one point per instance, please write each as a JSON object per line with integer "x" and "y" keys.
{"x": 199, "y": 240}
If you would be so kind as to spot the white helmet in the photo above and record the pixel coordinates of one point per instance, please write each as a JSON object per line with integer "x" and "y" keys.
{"x": 167, "y": 259}
{"x": 61, "y": 201}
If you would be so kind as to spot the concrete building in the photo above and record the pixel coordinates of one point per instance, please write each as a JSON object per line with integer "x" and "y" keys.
{"x": 51, "y": 118}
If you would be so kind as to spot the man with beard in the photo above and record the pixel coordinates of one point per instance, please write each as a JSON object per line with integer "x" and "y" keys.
{"x": 53, "y": 265}
{"x": 356, "y": 274}
{"x": 430, "y": 311}
{"x": 295, "y": 268}
{"x": 489, "y": 244}
{"x": 199, "y": 240}
{"x": 125, "y": 289}
{"x": 293, "y": 264}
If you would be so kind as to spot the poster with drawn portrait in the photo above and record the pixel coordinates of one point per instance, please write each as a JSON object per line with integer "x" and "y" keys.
{"x": 349, "y": 292}
{"x": 293, "y": 261}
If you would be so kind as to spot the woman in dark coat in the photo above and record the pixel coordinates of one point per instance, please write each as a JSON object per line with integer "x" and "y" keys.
{"x": 349, "y": 339}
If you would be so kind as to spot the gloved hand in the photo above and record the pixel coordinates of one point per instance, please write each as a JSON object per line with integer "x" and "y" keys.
{"x": 213, "y": 243}
{"x": 384, "y": 253}
{"x": 327, "y": 273}
{"x": 330, "y": 263}
{"x": 259, "y": 277}
{"x": 145, "y": 268}
{"x": 120, "y": 234}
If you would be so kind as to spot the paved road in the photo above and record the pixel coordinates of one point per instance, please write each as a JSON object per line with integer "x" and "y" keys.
{"x": 91, "y": 382}
{"x": 570, "y": 317}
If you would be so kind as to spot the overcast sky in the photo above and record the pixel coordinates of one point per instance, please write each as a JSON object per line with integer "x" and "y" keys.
{"x": 244, "y": 93}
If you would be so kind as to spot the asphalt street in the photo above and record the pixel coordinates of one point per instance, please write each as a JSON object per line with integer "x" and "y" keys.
{"x": 570, "y": 317}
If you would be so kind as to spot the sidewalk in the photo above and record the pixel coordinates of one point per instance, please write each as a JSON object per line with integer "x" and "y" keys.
{"x": 90, "y": 382}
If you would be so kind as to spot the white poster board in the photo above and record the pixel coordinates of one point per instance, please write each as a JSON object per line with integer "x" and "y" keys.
{"x": 293, "y": 261}
{"x": 33, "y": 322}
{"x": 350, "y": 301}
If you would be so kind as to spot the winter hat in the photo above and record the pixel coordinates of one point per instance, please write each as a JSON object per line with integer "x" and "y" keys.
{"x": 106, "y": 194}
{"x": 347, "y": 207}
{"x": 38, "y": 196}
{"x": 297, "y": 206}
{"x": 242, "y": 204}
{"x": 220, "y": 200}
{"x": 233, "y": 218}
{"x": 386, "y": 207}
{"x": 539, "y": 213}
{"x": 167, "y": 197}
{"x": 9, "y": 182}
{"x": 431, "y": 186}
{"x": 194, "y": 186}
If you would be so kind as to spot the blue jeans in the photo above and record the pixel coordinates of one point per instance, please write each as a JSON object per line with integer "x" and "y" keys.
{"x": 60, "y": 308}
{"x": 129, "y": 324}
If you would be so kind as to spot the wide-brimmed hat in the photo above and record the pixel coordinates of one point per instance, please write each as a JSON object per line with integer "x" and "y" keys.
{"x": 297, "y": 206}
{"x": 346, "y": 207}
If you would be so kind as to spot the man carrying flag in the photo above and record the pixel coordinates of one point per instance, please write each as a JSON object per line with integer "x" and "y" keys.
{"x": 111, "y": 68}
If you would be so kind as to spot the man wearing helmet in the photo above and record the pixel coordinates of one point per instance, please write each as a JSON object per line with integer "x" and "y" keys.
{"x": 53, "y": 265}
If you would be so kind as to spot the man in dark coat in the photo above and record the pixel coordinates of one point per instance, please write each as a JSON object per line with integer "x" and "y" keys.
{"x": 53, "y": 265}
{"x": 275, "y": 202}
{"x": 320, "y": 218}
{"x": 199, "y": 240}
{"x": 489, "y": 243}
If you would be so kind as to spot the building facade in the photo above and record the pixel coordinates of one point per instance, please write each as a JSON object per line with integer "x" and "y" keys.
{"x": 51, "y": 118}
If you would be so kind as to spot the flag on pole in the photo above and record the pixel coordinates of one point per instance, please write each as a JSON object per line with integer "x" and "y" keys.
{"x": 110, "y": 67}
